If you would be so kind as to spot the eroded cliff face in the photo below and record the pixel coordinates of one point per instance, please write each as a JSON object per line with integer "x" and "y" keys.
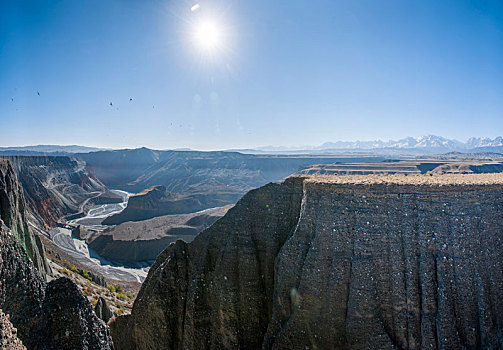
{"x": 217, "y": 290}
{"x": 22, "y": 288}
{"x": 47, "y": 316}
{"x": 13, "y": 215}
{"x": 55, "y": 187}
{"x": 392, "y": 265}
{"x": 404, "y": 262}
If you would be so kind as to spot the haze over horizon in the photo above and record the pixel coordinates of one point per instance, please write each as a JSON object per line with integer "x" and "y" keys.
{"x": 426, "y": 143}
{"x": 122, "y": 74}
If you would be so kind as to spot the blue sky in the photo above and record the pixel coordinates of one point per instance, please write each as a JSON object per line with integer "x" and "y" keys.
{"x": 285, "y": 72}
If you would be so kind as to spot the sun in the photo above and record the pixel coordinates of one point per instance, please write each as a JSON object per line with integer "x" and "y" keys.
{"x": 207, "y": 35}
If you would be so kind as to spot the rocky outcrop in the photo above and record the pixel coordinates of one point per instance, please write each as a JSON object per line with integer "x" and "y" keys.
{"x": 38, "y": 311}
{"x": 102, "y": 310}
{"x": 69, "y": 320}
{"x": 218, "y": 289}
{"x": 13, "y": 215}
{"x": 55, "y": 187}
{"x": 8, "y": 334}
{"x": 96, "y": 278}
{"x": 134, "y": 242}
{"x": 377, "y": 262}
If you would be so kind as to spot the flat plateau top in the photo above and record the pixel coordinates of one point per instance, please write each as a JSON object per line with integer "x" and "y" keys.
{"x": 423, "y": 180}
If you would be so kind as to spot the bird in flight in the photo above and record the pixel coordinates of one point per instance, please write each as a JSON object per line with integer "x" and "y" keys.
{"x": 130, "y": 99}
{"x": 38, "y": 93}
{"x": 111, "y": 104}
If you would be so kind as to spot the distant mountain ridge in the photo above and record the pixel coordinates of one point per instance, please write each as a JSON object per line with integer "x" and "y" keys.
{"x": 38, "y": 150}
{"x": 429, "y": 144}
{"x": 423, "y": 142}
{"x": 426, "y": 144}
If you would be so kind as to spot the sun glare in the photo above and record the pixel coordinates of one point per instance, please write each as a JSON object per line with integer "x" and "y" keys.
{"x": 207, "y": 35}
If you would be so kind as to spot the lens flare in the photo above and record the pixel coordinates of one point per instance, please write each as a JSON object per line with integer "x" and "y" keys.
{"x": 207, "y": 35}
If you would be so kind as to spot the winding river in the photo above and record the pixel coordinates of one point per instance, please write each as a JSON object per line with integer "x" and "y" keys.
{"x": 63, "y": 238}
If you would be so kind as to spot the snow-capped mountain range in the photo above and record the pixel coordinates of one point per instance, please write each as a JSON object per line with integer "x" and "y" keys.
{"x": 426, "y": 144}
{"x": 476, "y": 142}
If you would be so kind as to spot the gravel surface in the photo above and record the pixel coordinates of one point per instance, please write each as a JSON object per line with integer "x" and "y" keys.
{"x": 427, "y": 180}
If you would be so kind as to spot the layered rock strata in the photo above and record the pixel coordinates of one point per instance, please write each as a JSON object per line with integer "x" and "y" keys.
{"x": 192, "y": 180}
{"x": 47, "y": 316}
{"x": 13, "y": 215}
{"x": 377, "y": 262}
{"x": 55, "y": 187}
{"x": 408, "y": 167}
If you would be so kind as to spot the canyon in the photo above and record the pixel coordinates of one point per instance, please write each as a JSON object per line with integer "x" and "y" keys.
{"x": 400, "y": 253}
{"x": 54, "y": 315}
{"x": 331, "y": 261}
{"x": 58, "y": 187}
{"x": 142, "y": 241}
{"x": 73, "y": 192}
{"x": 205, "y": 177}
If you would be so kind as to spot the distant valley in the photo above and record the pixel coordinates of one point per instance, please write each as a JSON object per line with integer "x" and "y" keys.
{"x": 142, "y": 241}
{"x": 106, "y": 218}
{"x": 56, "y": 187}
{"x": 168, "y": 189}
{"x": 69, "y": 195}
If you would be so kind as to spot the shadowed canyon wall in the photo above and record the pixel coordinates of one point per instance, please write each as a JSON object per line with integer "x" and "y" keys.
{"x": 375, "y": 262}
{"x": 53, "y": 315}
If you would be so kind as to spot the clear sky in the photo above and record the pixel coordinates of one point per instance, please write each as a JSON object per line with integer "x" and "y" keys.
{"x": 280, "y": 72}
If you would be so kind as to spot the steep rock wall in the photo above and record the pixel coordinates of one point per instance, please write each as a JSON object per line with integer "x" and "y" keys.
{"x": 388, "y": 265}
{"x": 47, "y": 316}
{"x": 315, "y": 263}
{"x": 13, "y": 215}
{"x": 22, "y": 288}
{"x": 218, "y": 289}
{"x": 55, "y": 187}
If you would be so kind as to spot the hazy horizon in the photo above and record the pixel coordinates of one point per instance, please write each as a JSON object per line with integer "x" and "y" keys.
{"x": 236, "y": 75}
{"x": 293, "y": 148}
